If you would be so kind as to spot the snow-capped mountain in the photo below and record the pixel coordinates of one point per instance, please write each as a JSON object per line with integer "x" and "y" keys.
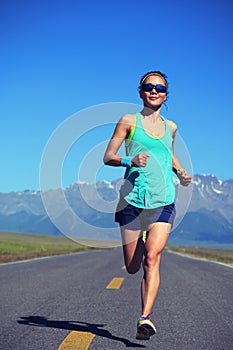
{"x": 209, "y": 217}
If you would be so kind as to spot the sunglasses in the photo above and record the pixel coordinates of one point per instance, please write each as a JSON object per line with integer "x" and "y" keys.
{"x": 150, "y": 87}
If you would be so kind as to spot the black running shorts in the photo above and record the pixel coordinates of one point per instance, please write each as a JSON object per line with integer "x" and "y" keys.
{"x": 134, "y": 218}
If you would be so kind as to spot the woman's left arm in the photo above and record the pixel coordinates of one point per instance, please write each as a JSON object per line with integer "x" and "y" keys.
{"x": 183, "y": 176}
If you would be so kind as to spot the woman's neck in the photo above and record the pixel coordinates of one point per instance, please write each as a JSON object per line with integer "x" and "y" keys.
{"x": 151, "y": 113}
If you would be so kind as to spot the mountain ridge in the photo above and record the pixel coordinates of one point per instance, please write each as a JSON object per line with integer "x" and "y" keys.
{"x": 209, "y": 218}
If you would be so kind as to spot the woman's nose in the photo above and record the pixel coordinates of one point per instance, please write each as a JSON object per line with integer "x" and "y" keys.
{"x": 154, "y": 90}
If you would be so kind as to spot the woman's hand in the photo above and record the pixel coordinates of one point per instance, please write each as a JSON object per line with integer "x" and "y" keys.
{"x": 139, "y": 160}
{"x": 185, "y": 178}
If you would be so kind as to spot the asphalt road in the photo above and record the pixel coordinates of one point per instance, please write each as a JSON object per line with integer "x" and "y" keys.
{"x": 44, "y": 301}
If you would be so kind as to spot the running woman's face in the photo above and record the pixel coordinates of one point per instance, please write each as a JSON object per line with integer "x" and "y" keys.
{"x": 153, "y": 99}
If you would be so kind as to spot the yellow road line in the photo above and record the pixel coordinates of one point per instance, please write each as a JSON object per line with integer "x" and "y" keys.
{"x": 77, "y": 341}
{"x": 115, "y": 283}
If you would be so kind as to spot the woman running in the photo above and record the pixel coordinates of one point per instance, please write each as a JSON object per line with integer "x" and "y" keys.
{"x": 147, "y": 195}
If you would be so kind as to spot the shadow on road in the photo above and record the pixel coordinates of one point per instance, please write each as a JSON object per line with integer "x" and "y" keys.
{"x": 78, "y": 326}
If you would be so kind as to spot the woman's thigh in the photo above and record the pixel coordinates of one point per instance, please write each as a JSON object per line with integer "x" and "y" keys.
{"x": 157, "y": 237}
{"x": 133, "y": 249}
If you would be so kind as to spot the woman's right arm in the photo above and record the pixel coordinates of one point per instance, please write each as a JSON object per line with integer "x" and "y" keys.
{"x": 121, "y": 132}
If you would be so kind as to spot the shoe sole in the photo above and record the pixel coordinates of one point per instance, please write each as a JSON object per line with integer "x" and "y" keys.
{"x": 144, "y": 332}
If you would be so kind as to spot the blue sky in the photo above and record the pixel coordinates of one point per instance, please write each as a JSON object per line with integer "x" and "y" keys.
{"x": 60, "y": 57}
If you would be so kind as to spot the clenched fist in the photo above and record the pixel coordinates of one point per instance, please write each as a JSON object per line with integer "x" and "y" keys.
{"x": 185, "y": 179}
{"x": 140, "y": 160}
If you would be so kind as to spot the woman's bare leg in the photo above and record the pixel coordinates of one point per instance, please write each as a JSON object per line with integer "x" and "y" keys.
{"x": 133, "y": 249}
{"x": 157, "y": 237}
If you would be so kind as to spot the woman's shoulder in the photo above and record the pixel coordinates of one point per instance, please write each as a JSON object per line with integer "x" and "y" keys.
{"x": 128, "y": 119}
{"x": 173, "y": 126}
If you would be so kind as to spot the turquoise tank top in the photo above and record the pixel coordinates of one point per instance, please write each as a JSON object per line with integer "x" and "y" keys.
{"x": 151, "y": 186}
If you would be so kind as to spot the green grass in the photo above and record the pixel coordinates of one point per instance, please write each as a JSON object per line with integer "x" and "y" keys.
{"x": 15, "y": 246}
{"x": 11, "y": 247}
{"x": 221, "y": 255}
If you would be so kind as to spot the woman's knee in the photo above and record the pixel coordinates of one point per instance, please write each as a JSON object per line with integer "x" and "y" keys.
{"x": 152, "y": 259}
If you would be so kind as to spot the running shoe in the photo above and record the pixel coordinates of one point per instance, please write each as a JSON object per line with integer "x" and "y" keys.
{"x": 145, "y": 329}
